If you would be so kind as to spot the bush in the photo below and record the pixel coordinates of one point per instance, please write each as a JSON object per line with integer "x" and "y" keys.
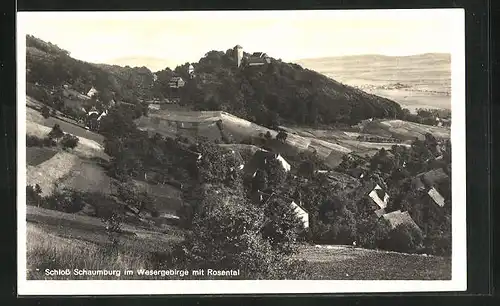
{"x": 33, "y": 195}
{"x": 113, "y": 222}
{"x": 66, "y": 201}
{"x": 226, "y": 234}
{"x": 33, "y": 141}
{"x": 438, "y": 241}
{"x": 56, "y": 132}
{"x": 404, "y": 238}
{"x": 372, "y": 232}
{"x": 69, "y": 141}
{"x": 45, "y": 112}
{"x": 283, "y": 228}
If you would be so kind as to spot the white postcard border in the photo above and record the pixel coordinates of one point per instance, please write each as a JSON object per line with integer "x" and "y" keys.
{"x": 458, "y": 281}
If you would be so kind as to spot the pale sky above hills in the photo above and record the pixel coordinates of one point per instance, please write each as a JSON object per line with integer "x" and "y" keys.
{"x": 160, "y": 39}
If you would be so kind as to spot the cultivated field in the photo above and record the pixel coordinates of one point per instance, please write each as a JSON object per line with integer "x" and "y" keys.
{"x": 37, "y": 155}
{"x": 329, "y": 145}
{"x": 50, "y": 172}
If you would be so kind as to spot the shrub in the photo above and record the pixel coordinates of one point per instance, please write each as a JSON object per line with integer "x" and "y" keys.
{"x": 66, "y": 200}
{"x": 438, "y": 241}
{"x": 113, "y": 222}
{"x": 69, "y": 141}
{"x": 45, "y": 112}
{"x": 33, "y": 195}
{"x": 372, "y": 232}
{"x": 282, "y": 136}
{"x": 268, "y": 135}
{"x": 56, "y": 132}
{"x": 226, "y": 234}
{"x": 404, "y": 238}
{"x": 33, "y": 141}
{"x": 283, "y": 228}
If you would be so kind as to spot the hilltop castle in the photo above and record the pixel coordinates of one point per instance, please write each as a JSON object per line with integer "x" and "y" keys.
{"x": 256, "y": 59}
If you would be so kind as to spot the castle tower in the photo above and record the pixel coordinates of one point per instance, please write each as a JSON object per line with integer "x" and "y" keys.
{"x": 238, "y": 53}
{"x": 191, "y": 71}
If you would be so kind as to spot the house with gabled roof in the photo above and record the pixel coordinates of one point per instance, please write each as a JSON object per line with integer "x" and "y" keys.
{"x": 260, "y": 159}
{"x": 436, "y": 185}
{"x": 92, "y": 92}
{"x": 176, "y": 82}
{"x": 301, "y": 212}
{"x": 398, "y": 217}
{"x": 373, "y": 195}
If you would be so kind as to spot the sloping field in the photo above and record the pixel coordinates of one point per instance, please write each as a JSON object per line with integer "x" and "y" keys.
{"x": 168, "y": 122}
{"x": 167, "y": 199}
{"x": 37, "y": 155}
{"x": 48, "y": 173}
{"x": 86, "y": 176}
{"x": 405, "y": 130}
{"x": 342, "y": 262}
{"x": 86, "y": 148}
{"x": 155, "y": 124}
{"x": 90, "y": 229}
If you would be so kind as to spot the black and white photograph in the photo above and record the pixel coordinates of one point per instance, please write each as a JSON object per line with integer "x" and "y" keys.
{"x": 223, "y": 152}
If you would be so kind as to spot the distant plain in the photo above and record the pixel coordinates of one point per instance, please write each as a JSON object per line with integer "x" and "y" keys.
{"x": 418, "y": 81}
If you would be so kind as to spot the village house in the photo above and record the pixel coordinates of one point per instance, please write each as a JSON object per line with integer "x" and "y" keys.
{"x": 435, "y": 183}
{"x": 301, "y": 212}
{"x": 92, "y": 92}
{"x": 443, "y": 122}
{"x": 176, "y": 82}
{"x": 260, "y": 159}
{"x": 374, "y": 197}
{"x": 397, "y": 218}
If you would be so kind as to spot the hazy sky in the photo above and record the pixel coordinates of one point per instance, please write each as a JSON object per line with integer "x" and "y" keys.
{"x": 168, "y": 38}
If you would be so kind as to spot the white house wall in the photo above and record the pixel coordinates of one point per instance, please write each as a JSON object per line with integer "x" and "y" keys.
{"x": 284, "y": 163}
{"x": 374, "y": 196}
{"x": 302, "y": 214}
{"x": 436, "y": 197}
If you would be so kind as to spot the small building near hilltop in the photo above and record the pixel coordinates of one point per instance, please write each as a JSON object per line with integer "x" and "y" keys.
{"x": 176, "y": 82}
{"x": 92, "y": 92}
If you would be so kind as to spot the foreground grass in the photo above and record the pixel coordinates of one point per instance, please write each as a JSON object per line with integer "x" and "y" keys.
{"x": 49, "y": 251}
{"x": 342, "y": 262}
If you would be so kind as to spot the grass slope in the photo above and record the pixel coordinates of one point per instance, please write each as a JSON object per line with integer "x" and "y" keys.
{"x": 339, "y": 262}
{"x": 50, "y": 246}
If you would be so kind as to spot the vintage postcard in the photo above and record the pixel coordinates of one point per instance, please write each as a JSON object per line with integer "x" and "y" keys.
{"x": 241, "y": 152}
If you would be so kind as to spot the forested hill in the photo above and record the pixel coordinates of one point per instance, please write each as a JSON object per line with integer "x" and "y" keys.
{"x": 272, "y": 94}
{"x": 279, "y": 93}
{"x": 49, "y": 65}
